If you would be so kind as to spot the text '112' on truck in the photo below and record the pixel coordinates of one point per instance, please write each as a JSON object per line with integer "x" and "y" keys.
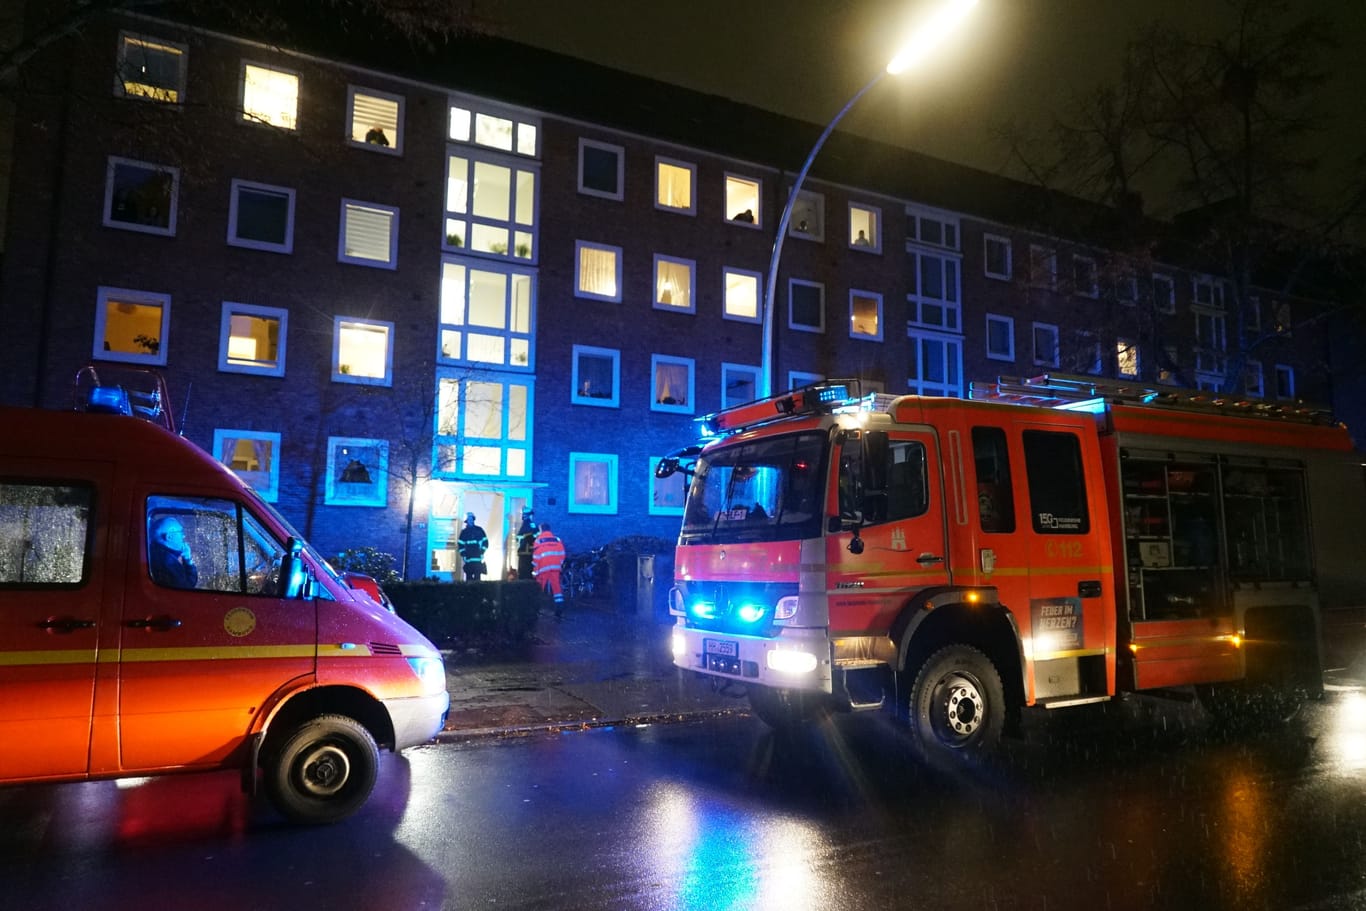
{"x": 1048, "y": 542}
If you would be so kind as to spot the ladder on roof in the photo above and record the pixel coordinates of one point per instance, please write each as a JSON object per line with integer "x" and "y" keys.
{"x": 1059, "y": 390}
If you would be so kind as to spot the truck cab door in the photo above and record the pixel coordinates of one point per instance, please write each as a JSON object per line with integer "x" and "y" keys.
{"x": 54, "y": 527}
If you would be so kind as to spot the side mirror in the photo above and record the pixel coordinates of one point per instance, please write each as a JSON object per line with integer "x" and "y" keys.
{"x": 667, "y": 467}
{"x": 295, "y": 579}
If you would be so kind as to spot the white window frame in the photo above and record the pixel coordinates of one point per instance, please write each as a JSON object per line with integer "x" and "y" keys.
{"x": 881, "y": 321}
{"x": 575, "y": 397}
{"x": 392, "y": 211}
{"x": 1254, "y": 379}
{"x": 579, "y": 247}
{"x": 874, "y": 244}
{"x": 338, "y": 377}
{"x": 754, "y": 374}
{"x": 225, "y": 362}
{"x": 726, "y": 272}
{"x": 465, "y": 115}
{"x": 381, "y": 497}
{"x": 1167, "y": 306}
{"x": 950, "y": 303}
{"x": 950, "y": 229}
{"x": 121, "y": 84}
{"x": 102, "y": 297}
{"x": 1034, "y": 344}
{"x": 758, "y": 211}
{"x": 677, "y": 477}
{"x": 952, "y": 347}
{"x": 253, "y": 120}
{"x": 395, "y": 146}
{"x": 1092, "y": 277}
{"x": 249, "y": 185}
{"x": 1009, "y": 323}
{"x": 808, "y": 200}
{"x": 271, "y": 491}
{"x": 657, "y": 293}
{"x": 1215, "y": 287}
{"x": 1211, "y": 349}
{"x": 620, "y": 152}
{"x": 1041, "y": 257}
{"x": 459, "y": 331}
{"x": 691, "y": 207}
{"x": 987, "y": 241}
{"x": 796, "y": 379}
{"x": 610, "y": 460}
{"x": 1126, "y": 289}
{"x": 791, "y": 323}
{"x": 688, "y": 407}
{"x": 111, "y": 222}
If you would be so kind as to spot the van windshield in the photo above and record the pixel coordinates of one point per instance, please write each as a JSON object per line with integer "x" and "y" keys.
{"x": 321, "y": 563}
{"x": 759, "y": 490}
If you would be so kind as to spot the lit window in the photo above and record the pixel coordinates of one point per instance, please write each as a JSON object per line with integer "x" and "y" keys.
{"x": 667, "y": 494}
{"x": 1126, "y": 358}
{"x": 1043, "y": 267}
{"x": 599, "y": 271}
{"x": 865, "y": 315}
{"x": 672, "y": 386}
{"x": 597, "y": 377}
{"x": 739, "y": 384}
{"x": 674, "y": 182}
{"x": 601, "y": 169}
{"x": 593, "y": 483}
{"x": 362, "y": 351}
{"x": 808, "y": 216}
{"x": 253, "y": 456}
{"x": 493, "y": 130}
{"x": 140, "y": 197}
{"x": 369, "y": 235}
{"x": 357, "y": 472}
{"x": 252, "y": 339}
{"x": 150, "y": 68}
{"x": 261, "y": 217}
{"x": 376, "y": 120}
{"x": 741, "y": 295}
{"x": 483, "y": 427}
{"x": 1045, "y": 345}
{"x": 486, "y": 315}
{"x": 865, "y": 228}
{"x": 1084, "y": 278}
{"x": 673, "y": 284}
{"x": 131, "y": 326}
{"x": 806, "y": 306}
{"x": 1164, "y": 294}
{"x": 270, "y": 95}
{"x": 996, "y": 254}
{"x": 1000, "y": 338}
{"x": 743, "y": 196}
{"x": 490, "y": 207}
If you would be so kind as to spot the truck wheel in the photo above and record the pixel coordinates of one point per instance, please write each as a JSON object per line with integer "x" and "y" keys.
{"x": 323, "y": 771}
{"x": 956, "y": 705}
{"x": 785, "y": 709}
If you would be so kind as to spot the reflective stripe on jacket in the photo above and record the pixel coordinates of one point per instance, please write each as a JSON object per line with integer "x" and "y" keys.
{"x": 547, "y": 555}
{"x": 472, "y": 544}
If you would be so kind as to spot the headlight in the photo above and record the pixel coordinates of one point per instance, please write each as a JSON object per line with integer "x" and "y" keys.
{"x": 786, "y": 609}
{"x": 431, "y": 672}
{"x": 787, "y": 661}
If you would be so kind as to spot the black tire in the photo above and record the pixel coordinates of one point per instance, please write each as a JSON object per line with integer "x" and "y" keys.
{"x": 956, "y": 706}
{"x": 787, "y": 709}
{"x": 323, "y": 771}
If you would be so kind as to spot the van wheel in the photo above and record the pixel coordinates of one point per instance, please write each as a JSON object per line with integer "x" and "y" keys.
{"x": 956, "y": 705}
{"x": 786, "y": 709}
{"x": 323, "y": 771}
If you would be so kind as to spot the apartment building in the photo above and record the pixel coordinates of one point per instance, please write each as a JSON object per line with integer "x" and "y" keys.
{"x": 391, "y": 291}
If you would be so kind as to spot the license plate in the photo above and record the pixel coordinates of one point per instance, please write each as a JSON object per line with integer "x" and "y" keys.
{"x": 721, "y": 647}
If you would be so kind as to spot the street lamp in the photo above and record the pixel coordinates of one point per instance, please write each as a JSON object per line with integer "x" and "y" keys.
{"x": 922, "y": 41}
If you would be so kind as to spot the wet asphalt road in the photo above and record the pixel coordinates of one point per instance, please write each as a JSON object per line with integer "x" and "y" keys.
{"x": 1137, "y": 806}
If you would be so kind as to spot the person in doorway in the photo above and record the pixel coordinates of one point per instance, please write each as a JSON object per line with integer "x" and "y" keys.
{"x": 526, "y": 542}
{"x": 547, "y": 561}
{"x": 472, "y": 544}
{"x": 169, "y": 557}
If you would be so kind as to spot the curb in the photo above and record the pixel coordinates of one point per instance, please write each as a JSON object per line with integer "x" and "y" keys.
{"x": 452, "y": 735}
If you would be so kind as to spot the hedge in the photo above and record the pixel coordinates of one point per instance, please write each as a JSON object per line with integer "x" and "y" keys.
{"x": 443, "y": 611}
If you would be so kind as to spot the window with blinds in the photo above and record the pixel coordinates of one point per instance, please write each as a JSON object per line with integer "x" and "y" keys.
{"x": 369, "y": 234}
{"x": 376, "y": 120}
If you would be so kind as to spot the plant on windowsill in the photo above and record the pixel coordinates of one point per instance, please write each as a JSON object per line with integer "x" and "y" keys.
{"x": 455, "y": 240}
{"x": 498, "y": 247}
{"x": 524, "y": 251}
{"x": 344, "y": 369}
{"x": 147, "y": 343}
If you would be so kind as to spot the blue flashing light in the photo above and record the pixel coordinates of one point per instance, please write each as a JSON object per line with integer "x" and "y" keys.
{"x": 703, "y": 610}
{"x": 750, "y": 612}
{"x": 827, "y": 394}
{"x": 109, "y": 399}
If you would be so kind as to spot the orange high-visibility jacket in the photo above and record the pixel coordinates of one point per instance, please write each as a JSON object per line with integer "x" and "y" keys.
{"x": 547, "y": 556}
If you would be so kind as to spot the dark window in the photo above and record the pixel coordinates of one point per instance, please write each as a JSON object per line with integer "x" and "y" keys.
{"x": 600, "y": 170}
{"x": 806, "y": 306}
{"x": 141, "y": 195}
{"x": 44, "y": 534}
{"x": 263, "y": 216}
{"x": 995, "y": 496}
{"x": 1057, "y": 483}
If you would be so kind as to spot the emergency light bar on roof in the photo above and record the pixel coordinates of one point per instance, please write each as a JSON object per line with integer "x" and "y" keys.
{"x": 1084, "y": 393}
{"x": 820, "y": 398}
{"x": 135, "y": 391}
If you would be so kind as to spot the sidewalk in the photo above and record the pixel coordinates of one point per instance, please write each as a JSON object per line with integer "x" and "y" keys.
{"x": 593, "y": 668}
{"x": 597, "y": 668}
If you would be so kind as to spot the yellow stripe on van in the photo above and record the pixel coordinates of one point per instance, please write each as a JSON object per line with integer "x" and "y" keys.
{"x": 47, "y": 656}
{"x": 239, "y": 652}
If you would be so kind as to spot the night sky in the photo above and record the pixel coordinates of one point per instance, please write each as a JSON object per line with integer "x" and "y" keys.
{"x": 1018, "y": 59}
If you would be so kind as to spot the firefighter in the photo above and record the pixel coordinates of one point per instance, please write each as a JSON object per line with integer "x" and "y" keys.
{"x": 547, "y": 561}
{"x": 526, "y": 541}
{"x": 472, "y": 545}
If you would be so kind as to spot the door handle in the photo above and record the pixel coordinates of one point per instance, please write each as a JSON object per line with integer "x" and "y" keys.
{"x": 160, "y": 624}
{"x": 1089, "y": 589}
{"x": 65, "y": 624}
{"x": 927, "y": 559}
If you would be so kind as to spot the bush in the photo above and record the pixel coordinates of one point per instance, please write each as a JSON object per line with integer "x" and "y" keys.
{"x": 370, "y": 561}
{"x": 446, "y": 611}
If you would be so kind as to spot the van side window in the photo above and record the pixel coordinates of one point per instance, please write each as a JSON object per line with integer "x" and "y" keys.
{"x": 1057, "y": 484}
{"x": 44, "y": 534}
{"x": 210, "y": 545}
{"x": 995, "y": 496}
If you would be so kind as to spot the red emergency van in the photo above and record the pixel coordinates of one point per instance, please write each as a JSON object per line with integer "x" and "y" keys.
{"x": 158, "y": 616}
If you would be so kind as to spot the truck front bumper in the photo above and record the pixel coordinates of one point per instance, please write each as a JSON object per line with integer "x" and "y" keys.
{"x": 797, "y": 658}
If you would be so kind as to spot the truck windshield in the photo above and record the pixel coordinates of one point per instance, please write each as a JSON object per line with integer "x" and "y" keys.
{"x": 760, "y": 490}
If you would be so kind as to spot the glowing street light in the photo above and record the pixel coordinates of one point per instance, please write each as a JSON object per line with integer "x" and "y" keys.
{"x": 927, "y": 36}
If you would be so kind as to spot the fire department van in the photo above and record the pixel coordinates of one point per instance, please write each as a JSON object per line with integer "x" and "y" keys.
{"x": 1048, "y": 542}
{"x": 157, "y": 616}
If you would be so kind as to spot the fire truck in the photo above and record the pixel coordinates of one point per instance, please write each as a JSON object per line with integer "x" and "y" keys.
{"x": 1048, "y": 542}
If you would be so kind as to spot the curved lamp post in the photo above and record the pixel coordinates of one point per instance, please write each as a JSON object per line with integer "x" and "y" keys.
{"x": 925, "y": 38}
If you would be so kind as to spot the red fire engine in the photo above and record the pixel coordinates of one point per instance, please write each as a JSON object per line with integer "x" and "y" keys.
{"x": 1048, "y": 542}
